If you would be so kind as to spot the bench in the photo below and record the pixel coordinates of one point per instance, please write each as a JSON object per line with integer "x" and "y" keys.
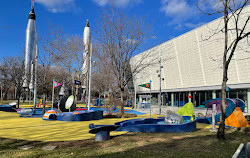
{"x": 102, "y": 132}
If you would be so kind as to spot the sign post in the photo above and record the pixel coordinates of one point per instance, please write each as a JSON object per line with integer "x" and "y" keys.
{"x": 77, "y": 82}
{"x": 55, "y": 84}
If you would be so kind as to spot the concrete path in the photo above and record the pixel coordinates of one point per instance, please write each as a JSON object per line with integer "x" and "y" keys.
{"x": 164, "y": 109}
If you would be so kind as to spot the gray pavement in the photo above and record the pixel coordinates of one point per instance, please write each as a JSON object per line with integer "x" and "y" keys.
{"x": 155, "y": 110}
{"x": 164, "y": 109}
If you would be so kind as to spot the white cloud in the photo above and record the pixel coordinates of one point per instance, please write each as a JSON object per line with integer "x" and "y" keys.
{"x": 176, "y": 8}
{"x": 181, "y": 13}
{"x": 131, "y": 41}
{"x": 192, "y": 25}
{"x": 188, "y": 25}
{"x": 212, "y": 6}
{"x": 57, "y": 6}
{"x": 119, "y": 3}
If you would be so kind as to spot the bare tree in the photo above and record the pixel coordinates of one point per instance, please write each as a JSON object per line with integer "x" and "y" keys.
{"x": 11, "y": 71}
{"x": 120, "y": 38}
{"x": 236, "y": 23}
{"x": 5, "y": 78}
{"x": 47, "y": 69}
{"x": 46, "y": 61}
{"x": 103, "y": 78}
{"x": 67, "y": 52}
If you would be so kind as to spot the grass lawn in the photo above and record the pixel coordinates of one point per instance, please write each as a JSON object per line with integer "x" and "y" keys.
{"x": 201, "y": 143}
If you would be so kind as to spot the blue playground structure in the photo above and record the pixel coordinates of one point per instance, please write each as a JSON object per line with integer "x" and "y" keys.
{"x": 28, "y": 112}
{"x": 8, "y": 108}
{"x": 148, "y": 125}
{"x": 179, "y": 122}
{"x": 151, "y": 125}
{"x": 81, "y": 115}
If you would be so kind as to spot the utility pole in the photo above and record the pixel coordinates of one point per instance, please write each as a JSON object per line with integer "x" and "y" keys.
{"x": 159, "y": 75}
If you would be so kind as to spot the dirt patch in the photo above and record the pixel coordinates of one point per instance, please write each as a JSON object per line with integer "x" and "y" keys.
{"x": 181, "y": 137}
{"x": 159, "y": 139}
{"x": 141, "y": 143}
{"x": 74, "y": 144}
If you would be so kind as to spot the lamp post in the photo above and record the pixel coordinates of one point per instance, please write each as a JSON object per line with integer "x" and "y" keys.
{"x": 159, "y": 75}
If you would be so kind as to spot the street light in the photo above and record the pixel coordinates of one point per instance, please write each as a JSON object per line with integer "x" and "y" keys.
{"x": 161, "y": 79}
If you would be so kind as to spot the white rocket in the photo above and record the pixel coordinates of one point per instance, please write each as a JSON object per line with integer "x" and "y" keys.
{"x": 86, "y": 43}
{"x": 30, "y": 50}
{"x": 87, "y": 55}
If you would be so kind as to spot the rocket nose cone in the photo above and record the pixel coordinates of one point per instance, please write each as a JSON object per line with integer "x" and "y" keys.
{"x": 32, "y": 10}
{"x": 32, "y": 14}
{"x": 87, "y": 24}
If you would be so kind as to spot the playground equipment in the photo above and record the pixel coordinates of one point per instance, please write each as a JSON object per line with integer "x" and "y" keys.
{"x": 86, "y": 115}
{"x": 71, "y": 113}
{"x": 179, "y": 122}
{"x": 50, "y": 115}
{"x": 187, "y": 111}
{"x": 28, "y": 112}
{"x": 155, "y": 126}
{"x": 102, "y": 133}
{"x": 24, "y": 112}
{"x": 67, "y": 104}
{"x": 234, "y": 115}
{"x": 8, "y": 108}
{"x": 173, "y": 118}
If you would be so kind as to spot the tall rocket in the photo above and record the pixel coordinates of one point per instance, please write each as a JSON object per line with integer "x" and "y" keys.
{"x": 30, "y": 50}
{"x": 87, "y": 55}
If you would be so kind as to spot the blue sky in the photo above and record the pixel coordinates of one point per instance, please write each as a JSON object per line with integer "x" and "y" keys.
{"x": 169, "y": 18}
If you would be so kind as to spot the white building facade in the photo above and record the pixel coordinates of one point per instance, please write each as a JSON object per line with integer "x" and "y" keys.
{"x": 195, "y": 66}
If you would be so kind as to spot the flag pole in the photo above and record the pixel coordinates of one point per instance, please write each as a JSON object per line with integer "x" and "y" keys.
{"x": 53, "y": 94}
{"x": 150, "y": 99}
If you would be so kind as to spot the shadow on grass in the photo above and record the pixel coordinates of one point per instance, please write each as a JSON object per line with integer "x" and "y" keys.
{"x": 198, "y": 146}
{"x": 139, "y": 145}
{"x": 15, "y": 144}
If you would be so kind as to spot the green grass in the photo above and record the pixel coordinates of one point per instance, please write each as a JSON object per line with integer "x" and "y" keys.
{"x": 201, "y": 143}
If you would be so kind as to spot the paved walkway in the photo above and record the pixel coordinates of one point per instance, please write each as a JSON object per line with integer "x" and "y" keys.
{"x": 155, "y": 110}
